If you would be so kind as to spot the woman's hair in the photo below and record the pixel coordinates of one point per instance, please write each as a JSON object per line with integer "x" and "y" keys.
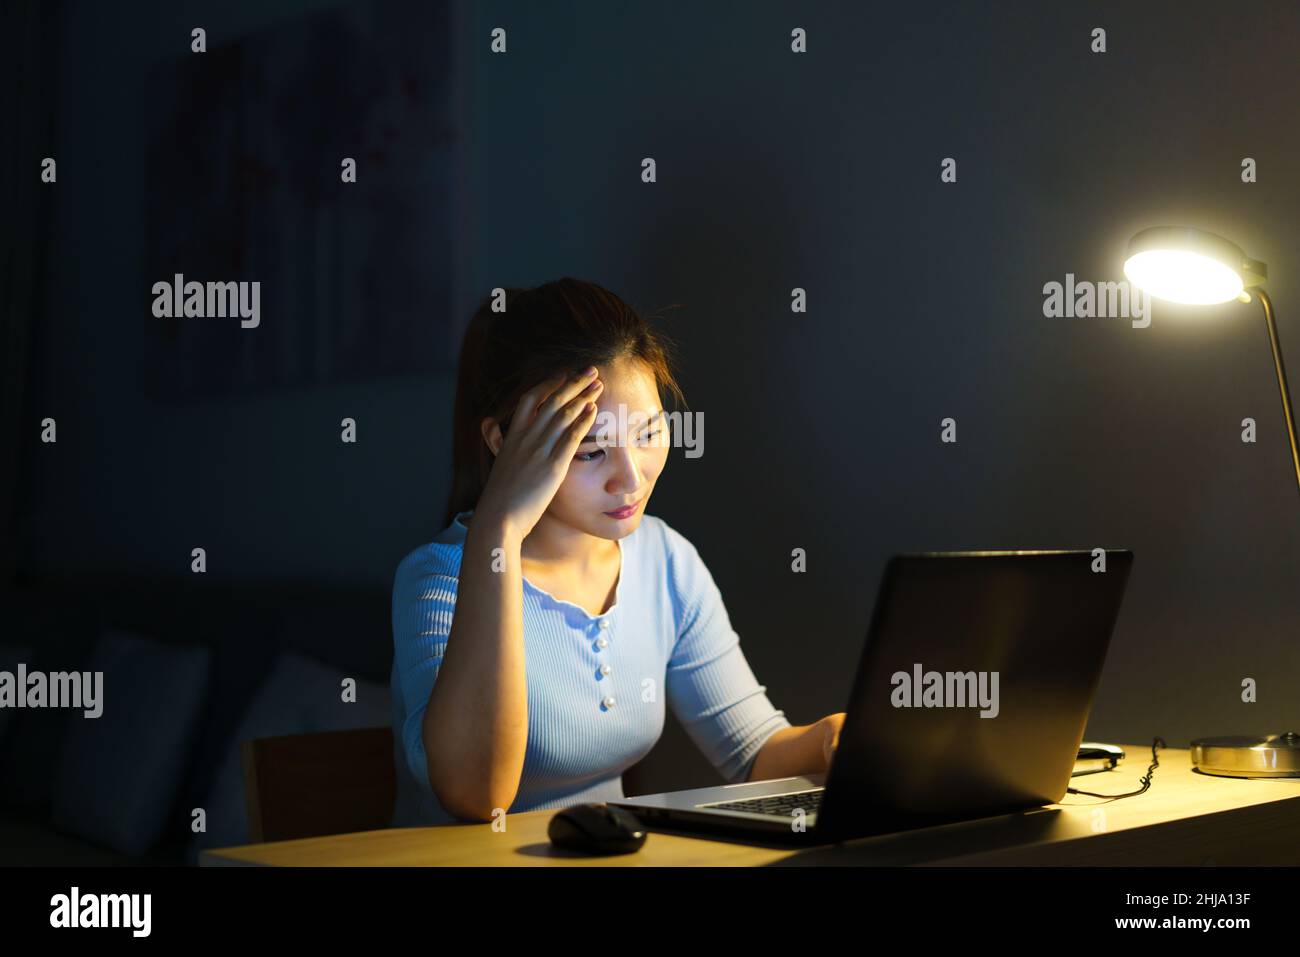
{"x": 561, "y": 327}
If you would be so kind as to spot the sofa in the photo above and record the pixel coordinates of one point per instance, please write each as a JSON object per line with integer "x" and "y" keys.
{"x": 190, "y": 670}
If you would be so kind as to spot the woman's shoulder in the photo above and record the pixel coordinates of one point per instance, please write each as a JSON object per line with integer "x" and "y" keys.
{"x": 439, "y": 558}
{"x": 689, "y": 586}
{"x": 680, "y": 558}
{"x": 660, "y": 534}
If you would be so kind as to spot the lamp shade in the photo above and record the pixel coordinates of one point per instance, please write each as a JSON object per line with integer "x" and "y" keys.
{"x": 1187, "y": 265}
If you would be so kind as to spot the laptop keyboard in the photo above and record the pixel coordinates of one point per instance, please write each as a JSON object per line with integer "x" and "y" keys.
{"x": 777, "y": 805}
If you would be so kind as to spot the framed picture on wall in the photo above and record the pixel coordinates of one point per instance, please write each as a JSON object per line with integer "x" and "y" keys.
{"x": 249, "y": 146}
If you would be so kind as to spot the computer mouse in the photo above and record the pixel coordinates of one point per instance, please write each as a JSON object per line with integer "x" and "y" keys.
{"x": 597, "y": 829}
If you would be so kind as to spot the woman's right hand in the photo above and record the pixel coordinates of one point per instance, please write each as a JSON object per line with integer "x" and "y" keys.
{"x": 545, "y": 430}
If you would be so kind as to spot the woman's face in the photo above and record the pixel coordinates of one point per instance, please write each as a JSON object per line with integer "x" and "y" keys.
{"x": 619, "y": 461}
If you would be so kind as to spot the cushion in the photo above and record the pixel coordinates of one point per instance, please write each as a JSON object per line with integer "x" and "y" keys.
{"x": 300, "y": 696}
{"x": 119, "y": 774}
{"x": 29, "y": 753}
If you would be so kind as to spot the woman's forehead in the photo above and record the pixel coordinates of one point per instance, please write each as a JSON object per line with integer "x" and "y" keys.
{"x": 619, "y": 420}
{"x": 630, "y": 384}
{"x": 627, "y": 374}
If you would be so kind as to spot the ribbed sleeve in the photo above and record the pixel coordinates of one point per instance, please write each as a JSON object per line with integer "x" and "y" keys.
{"x": 424, "y": 601}
{"x": 711, "y": 687}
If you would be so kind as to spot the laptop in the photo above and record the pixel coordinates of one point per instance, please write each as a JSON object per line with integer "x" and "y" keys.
{"x": 970, "y": 700}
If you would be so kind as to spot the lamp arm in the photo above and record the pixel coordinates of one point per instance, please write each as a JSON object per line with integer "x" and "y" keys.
{"x": 1270, "y": 321}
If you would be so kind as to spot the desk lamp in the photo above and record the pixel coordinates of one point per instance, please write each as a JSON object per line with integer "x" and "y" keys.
{"x": 1194, "y": 267}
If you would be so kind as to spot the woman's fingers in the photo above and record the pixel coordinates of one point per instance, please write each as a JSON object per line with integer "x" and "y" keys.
{"x": 571, "y": 437}
{"x": 561, "y": 397}
{"x": 528, "y": 402}
{"x": 564, "y": 417}
{"x": 546, "y": 410}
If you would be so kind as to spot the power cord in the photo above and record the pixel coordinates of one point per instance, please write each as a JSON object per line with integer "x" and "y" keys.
{"x": 1159, "y": 742}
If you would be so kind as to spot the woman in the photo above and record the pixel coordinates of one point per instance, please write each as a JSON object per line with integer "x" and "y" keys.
{"x": 538, "y": 636}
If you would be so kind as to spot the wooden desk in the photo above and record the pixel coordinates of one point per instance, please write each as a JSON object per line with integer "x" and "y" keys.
{"x": 1185, "y": 818}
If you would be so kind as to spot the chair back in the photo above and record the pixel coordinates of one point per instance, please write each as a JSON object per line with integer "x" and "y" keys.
{"x": 310, "y": 785}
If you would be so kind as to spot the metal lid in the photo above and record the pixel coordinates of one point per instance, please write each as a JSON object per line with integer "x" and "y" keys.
{"x": 1241, "y": 756}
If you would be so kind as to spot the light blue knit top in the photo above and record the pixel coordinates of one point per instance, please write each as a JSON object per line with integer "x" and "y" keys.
{"x": 596, "y": 684}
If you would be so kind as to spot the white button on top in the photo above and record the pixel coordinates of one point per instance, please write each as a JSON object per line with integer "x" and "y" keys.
{"x": 604, "y": 623}
{"x": 605, "y": 669}
{"x": 602, "y": 642}
{"x": 609, "y": 702}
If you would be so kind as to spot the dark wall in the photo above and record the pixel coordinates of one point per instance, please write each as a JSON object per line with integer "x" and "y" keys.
{"x": 822, "y": 429}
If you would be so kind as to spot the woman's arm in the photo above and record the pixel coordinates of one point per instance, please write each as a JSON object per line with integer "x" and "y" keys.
{"x": 475, "y": 726}
{"x": 476, "y": 723}
{"x": 803, "y": 749}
